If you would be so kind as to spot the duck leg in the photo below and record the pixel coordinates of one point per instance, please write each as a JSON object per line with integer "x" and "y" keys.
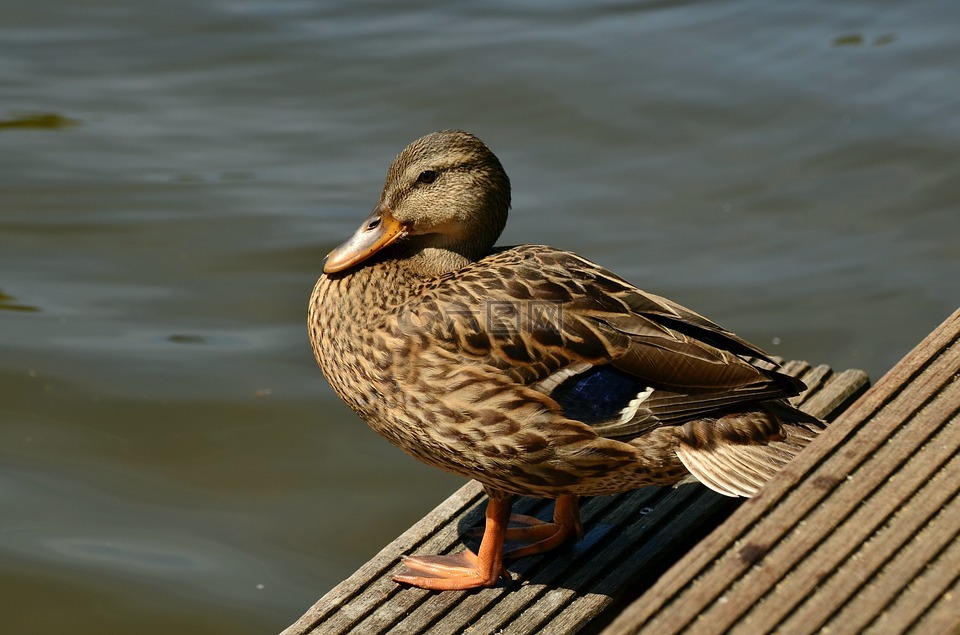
{"x": 464, "y": 570}
{"x": 537, "y": 536}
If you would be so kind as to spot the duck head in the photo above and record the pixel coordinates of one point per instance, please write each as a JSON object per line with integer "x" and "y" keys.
{"x": 443, "y": 206}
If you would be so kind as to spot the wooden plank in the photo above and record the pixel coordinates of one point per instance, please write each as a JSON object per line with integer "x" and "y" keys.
{"x": 784, "y": 516}
{"x": 942, "y": 617}
{"x": 852, "y": 551}
{"x": 933, "y": 585}
{"x": 629, "y": 540}
{"x": 814, "y": 377}
{"x": 783, "y": 553}
{"x": 914, "y": 509}
{"x": 693, "y": 519}
{"x": 347, "y": 596}
{"x": 856, "y": 521}
{"x": 843, "y": 390}
{"x": 910, "y": 565}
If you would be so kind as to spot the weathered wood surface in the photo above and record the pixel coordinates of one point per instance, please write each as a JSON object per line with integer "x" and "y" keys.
{"x": 630, "y": 540}
{"x": 859, "y": 534}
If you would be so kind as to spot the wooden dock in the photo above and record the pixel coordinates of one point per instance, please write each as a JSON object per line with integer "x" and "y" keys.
{"x": 858, "y": 534}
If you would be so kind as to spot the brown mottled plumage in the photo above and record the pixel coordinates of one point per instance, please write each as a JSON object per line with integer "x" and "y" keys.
{"x": 530, "y": 369}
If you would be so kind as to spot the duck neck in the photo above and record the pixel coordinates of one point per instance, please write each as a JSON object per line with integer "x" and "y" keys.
{"x": 427, "y": 263}
{"x": 434, "y": 255}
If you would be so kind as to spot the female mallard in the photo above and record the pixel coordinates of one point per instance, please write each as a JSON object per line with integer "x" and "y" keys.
{"x": 530, "y": 369}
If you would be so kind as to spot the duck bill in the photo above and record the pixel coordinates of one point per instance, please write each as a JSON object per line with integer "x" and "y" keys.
{"x": 378, "y": 230}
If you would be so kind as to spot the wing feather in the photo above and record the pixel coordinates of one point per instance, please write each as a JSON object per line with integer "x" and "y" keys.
{"x": 542, "y": 317}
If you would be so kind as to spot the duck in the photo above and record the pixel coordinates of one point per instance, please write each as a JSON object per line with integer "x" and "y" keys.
{"x": 531, "y": 369}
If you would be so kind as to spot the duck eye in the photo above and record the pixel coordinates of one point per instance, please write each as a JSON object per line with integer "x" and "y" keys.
{"x": 427, "y": 177}
{"x": 373, "y": 224}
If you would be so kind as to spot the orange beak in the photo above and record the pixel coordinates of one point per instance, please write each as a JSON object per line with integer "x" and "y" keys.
{"x": 378, "y": 230}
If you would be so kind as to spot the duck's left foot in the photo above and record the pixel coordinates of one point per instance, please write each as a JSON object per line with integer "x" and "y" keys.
{"x": 446, "y": 573}
{"x": 537, "y": 536}
{"x": 465, "y": 570}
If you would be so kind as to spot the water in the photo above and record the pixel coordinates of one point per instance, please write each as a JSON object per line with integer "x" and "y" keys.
{"x": 170, "y": 457}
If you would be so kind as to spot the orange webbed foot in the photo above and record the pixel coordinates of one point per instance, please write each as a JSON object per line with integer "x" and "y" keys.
{"x": 464, "y": 570}
{"x": 445, "y": 573}
{"x": 536, "y": 536}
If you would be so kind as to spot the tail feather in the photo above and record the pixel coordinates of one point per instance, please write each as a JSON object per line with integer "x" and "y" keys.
{"x": 738, "y": 465}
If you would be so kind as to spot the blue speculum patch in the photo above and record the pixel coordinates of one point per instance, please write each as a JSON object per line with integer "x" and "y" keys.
{"x": 597, "y": 395}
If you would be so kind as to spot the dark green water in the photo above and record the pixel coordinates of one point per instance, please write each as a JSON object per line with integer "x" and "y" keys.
{"x": 172, "y": 174}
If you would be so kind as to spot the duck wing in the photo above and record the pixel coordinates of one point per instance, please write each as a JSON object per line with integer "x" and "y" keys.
{"x": 605, "y": 353}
